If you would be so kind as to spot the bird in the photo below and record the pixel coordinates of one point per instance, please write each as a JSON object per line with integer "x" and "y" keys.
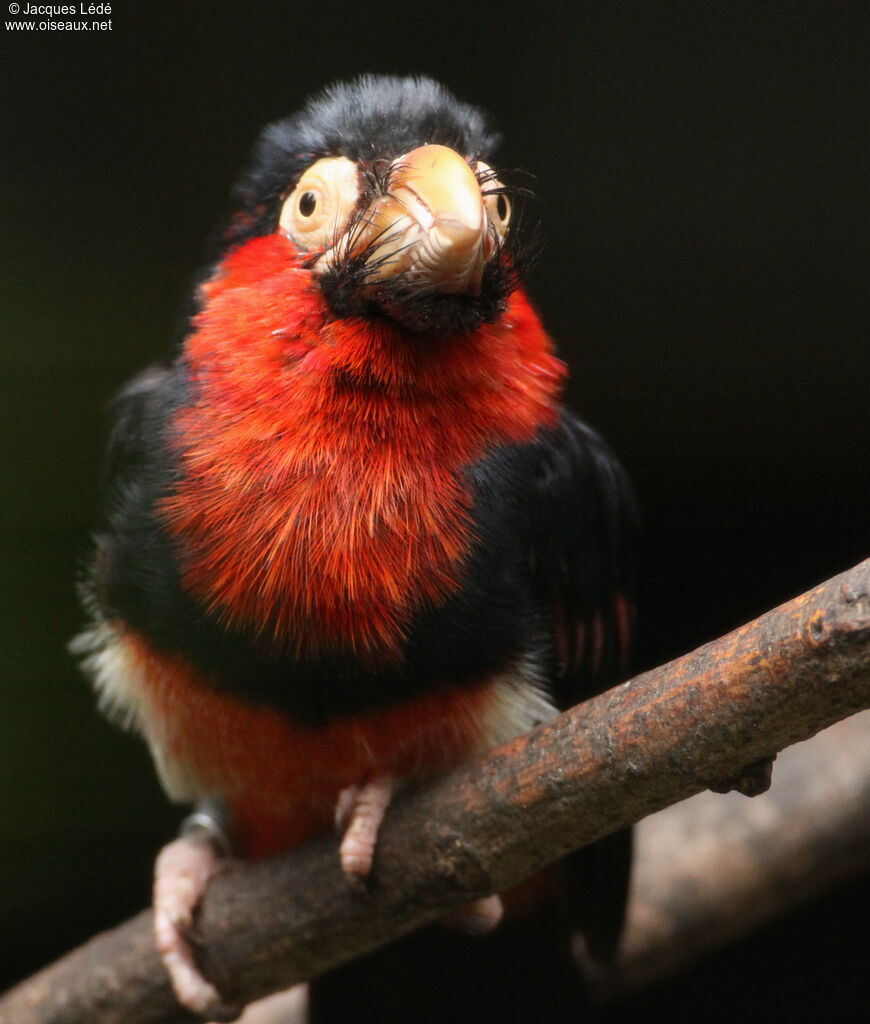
{"x": 351, "y": 536}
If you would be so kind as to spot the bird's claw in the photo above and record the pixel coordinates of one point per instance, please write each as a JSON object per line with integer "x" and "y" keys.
{"x": 359, "y": 812}
{"x": 181, "y": 875}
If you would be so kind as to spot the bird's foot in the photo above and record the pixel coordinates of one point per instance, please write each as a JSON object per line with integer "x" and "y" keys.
{"x": 358, "y": 816}
{"x": 359, "y": 812}
{"x": 182, "y": 873}
{"x": 477, "y": 918}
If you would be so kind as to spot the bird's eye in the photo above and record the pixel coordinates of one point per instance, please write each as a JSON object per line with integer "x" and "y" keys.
{"x": 307, "y": 203}
{"x": 498, "y": 206}
{"x": 318, "y": 210}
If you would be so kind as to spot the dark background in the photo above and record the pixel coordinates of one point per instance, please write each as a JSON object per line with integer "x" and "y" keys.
{"x": 703, "y": 195}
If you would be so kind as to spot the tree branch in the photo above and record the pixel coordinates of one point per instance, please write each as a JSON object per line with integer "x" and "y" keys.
{"x": 694, "y": 723}
{"x": 743, "y": 862}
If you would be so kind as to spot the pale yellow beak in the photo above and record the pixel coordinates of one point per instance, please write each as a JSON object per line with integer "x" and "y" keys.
{"x": 431, "y": 228}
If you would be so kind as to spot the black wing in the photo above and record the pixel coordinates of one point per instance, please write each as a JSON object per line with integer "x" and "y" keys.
{"x": 125, "y": 578}
{"x": 583, "y": 546}
{"x": 137, "y": 414}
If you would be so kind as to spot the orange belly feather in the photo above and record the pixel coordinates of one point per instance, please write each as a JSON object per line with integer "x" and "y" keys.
{"x": 278, "y": 780}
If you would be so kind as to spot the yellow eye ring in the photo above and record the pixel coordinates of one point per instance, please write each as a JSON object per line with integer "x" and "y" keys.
{"x": 318, "y": 209}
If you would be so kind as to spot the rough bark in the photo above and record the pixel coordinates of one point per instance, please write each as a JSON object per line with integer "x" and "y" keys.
{"x": 712, "y": 868}
{"x": 709, "y": 719}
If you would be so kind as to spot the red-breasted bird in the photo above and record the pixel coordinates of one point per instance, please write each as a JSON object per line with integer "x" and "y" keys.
{"x": 352, "y": 537}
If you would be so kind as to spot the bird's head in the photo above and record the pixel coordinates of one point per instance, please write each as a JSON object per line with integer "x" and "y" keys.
{"x": 385, "y": 191}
